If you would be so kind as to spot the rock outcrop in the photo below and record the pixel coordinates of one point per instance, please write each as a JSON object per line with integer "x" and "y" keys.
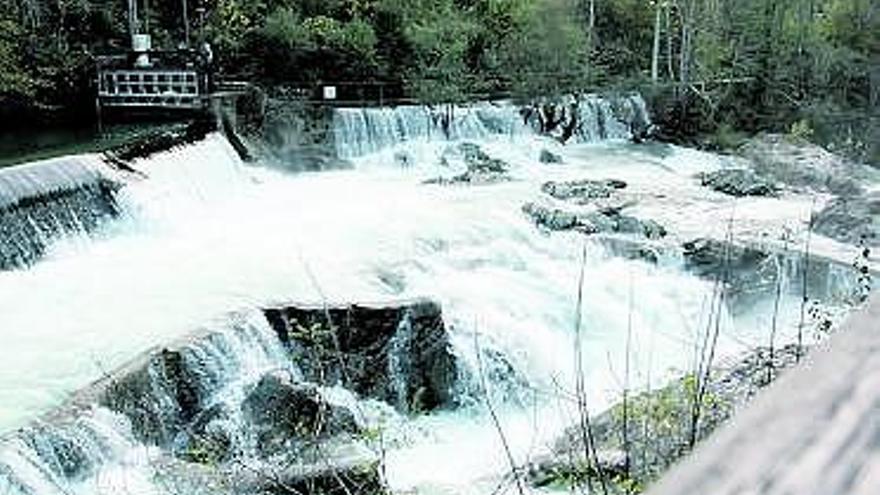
{"x": 609, "y": 221}
{"x": 283, "y": 413}
{"x": 397, "y": 353}
{"x": 852, "y": 220}
{"x": 659, "y": 426}
{"x": 738, "y": 182}
{"x": 802, "y": 165}
{"x": 247, "y": 406}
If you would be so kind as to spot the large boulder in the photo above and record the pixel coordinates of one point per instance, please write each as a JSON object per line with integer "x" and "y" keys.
{"x": 802, "y": 165}
{"x": 852, "y": 220}
{"x": 399, "y": 353}
{"x": 282, "y": 413}
{"x": 738, "y": 182}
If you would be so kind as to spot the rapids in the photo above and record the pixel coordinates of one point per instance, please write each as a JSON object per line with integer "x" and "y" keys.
{"x": 205, "y": 235}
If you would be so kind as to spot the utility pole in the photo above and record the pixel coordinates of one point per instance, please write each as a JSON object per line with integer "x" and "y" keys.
{"x": 186, "y": 23}
{"x": 132, "y": 18}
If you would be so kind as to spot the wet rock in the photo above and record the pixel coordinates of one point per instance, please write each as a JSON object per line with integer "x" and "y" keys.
{"x": 481, "y": 168}
{"x": 331, "y": 468}
{"x": 738, "y": 182}
{"x": 803, "y": 165}
{"x": 209, "y": 439}
{"x": 472, "y": 153}
{"x": 551, "y": 218}
{"x": 574, "y": 468}
{"x": 712, "y": 257}
{"x": 549, "y": 157}
{"x": 59, "y": 449}
{"x": 630, "y": 248}
{"x": 282, "y": 413}
{"x": 595, "y": 222}
{"x": 157, "y": 142}
{"x": 851, "y": 219}
{"x": 346, "y": 469}
{"x": 583, "y": 189}
{"x": 159, "y": 394}
{"x": 399, "y": 353}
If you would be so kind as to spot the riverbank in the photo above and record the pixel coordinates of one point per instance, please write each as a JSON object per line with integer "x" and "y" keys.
{"x": 635, "y": 443}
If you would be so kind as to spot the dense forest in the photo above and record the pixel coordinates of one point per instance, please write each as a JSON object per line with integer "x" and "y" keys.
{"x": 712, "y": 67}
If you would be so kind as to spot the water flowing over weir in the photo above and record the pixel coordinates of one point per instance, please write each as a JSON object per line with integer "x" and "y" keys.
{"x": 204, "y": 243}
{"x": 360, "y": 131}
{"x": 44, "y": 200}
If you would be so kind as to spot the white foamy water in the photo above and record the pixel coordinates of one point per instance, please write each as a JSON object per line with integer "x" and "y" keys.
{"x": 205, "y": 235}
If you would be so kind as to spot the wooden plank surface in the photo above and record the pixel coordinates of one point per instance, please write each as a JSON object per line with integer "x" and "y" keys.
{"x": 816, "y": 430}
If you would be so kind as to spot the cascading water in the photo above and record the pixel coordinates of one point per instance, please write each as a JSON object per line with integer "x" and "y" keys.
{"x": 202, "y": 235}
{"x": 360, "y": 131}
{"x": 41, "y": 201}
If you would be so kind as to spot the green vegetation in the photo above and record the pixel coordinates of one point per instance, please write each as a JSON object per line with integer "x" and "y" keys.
{"x": 748, "y": 65}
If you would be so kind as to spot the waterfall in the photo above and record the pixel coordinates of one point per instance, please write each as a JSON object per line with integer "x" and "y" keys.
{"x": 43, "y": 200}
{"x": 146, "y": 402}
{"x": 361, "y": 131}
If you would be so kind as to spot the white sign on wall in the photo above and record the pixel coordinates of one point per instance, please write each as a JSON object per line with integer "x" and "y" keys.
{"x": 329, "y": 92}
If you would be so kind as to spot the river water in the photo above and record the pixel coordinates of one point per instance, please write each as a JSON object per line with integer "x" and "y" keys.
{"x": 205, "y": 235}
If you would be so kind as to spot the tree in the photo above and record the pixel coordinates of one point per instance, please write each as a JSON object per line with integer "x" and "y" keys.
{"x": 14, "y": 81}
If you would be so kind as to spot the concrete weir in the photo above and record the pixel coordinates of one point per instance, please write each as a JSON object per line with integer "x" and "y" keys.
{"x": 230, "y": 393}
{"x": 43, "y": 200}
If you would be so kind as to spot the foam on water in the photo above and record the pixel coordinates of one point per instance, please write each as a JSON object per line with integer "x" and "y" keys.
{"x": 205, "y": 235}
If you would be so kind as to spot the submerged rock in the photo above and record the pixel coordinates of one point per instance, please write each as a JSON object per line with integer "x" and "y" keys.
{"x": 738, "y": 182}
{"x": 399, "y": 353}
{"x": 852, "y": 220}
{"x": 549, "y": 157}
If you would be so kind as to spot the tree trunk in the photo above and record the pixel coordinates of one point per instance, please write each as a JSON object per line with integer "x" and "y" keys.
{"x": 669, "y": 65}
{"x": 655, "y": 54}
{"x": 591, "y": 28}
